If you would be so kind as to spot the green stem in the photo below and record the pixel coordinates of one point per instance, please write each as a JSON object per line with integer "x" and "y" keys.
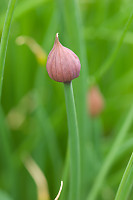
{"x": 111, "y": 156}
{"x": 73, "y": 142}
{"x": 4, "y": 39}
{"x": 125, "y": 185}
{"x": 74, "y": 29}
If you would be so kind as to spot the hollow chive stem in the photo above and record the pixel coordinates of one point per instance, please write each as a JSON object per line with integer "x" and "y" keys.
{"x": 73, "y": 142}
{"x": 4, "y": 39}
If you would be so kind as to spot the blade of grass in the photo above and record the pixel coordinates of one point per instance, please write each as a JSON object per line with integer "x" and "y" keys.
{"x": 113, "y": 55}
{"x": 73, "y": 142}
{"x": 111, "y": 156}
{"x": 126, "y": 182}
{"x": 4, "y": 40}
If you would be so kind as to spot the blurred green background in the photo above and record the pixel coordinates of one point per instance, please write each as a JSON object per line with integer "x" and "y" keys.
{"x": 33, "y": 116}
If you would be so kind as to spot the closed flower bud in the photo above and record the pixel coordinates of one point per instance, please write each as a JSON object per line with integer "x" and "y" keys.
{"x": 63, "y": 65}
{"x": 95, "y": 101}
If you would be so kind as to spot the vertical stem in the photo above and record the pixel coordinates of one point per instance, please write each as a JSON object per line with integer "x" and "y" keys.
{"x": 74, "y": 29}
{"x": 4, "y": 39}
{"x": 73, "y": 142}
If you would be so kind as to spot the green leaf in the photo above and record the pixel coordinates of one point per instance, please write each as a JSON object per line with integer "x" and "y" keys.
{"x": 126, "y": 182}
{"x": 4, "y": 39}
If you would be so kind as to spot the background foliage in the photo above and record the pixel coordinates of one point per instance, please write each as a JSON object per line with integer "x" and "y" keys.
{"x": 32, "y": 114}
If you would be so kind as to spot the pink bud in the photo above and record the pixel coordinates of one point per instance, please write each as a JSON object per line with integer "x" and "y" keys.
{"x": 95, "y": 101}
{"x": 63, "y": 65}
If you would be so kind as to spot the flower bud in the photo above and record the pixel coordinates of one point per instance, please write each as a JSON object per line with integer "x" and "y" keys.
{"x": 95, "y": 101}
{"x": 63, "y": 65}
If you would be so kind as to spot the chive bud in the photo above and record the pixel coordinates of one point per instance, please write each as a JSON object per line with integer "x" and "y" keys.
{"x": 95, "y": 101}
{"x": 63, "y": 65}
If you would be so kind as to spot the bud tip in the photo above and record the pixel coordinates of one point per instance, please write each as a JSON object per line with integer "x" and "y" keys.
{"x": 57, "y": 38}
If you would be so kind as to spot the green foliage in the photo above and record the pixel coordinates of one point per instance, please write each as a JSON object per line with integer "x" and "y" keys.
{"x": 33, "y": 118}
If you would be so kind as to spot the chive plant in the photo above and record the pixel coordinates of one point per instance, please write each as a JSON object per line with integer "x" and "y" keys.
{"x": 63, "y": 66}
{"x": 74, "y": 28}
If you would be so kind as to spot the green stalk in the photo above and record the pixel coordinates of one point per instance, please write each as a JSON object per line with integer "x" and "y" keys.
{"x": 74, "y": 30}
{"x": 111, "y": 157}
{"x": 126, "y": 182}
{"x": 4, "y": 39}
{"x": 73, "y": 143}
